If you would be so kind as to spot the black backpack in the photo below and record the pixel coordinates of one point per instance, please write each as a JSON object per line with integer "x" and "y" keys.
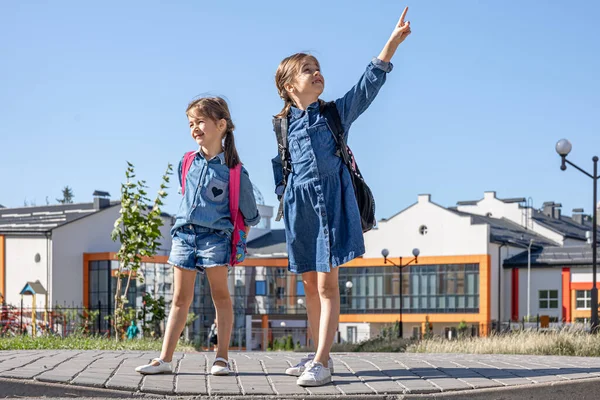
{"x": 362, "y": 192}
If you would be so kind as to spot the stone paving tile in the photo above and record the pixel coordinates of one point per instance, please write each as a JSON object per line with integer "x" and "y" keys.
{"x": 371, "y": 375}
{"x": 21, "y": 361}
{"x": 98, "y": 373}
{"x": 411, "y": 382}
{"x": 191, "y": 376}
{"x": 64, "y": 373}
{"x": 39, "y": 366}
{"x": 125, "y": 377}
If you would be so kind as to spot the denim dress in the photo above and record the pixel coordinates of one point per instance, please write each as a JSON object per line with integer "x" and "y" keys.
{"x": 321, "y": 217}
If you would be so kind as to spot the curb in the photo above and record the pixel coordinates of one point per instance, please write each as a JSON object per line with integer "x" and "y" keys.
{"x": 580, "y": 389}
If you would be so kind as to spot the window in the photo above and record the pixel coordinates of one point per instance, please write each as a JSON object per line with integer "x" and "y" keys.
{"x": 584, "y": 299}
{"x": 548, "y": 299}
{"x": 300, "y": 288}
{"x": 260, "y": 288}
{"x": 351, "y": 334}
{"x": 423, "y": 230}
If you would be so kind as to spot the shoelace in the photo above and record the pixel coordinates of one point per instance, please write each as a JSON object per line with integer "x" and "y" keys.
{"x": 314, "y": 368}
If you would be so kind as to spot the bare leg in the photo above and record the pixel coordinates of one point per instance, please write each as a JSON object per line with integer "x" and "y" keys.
{"x": 329, "y": 293}
{"x": 183, "y": 295}
{"x": 313, "y": 304}
{"x": 217, "y": 278}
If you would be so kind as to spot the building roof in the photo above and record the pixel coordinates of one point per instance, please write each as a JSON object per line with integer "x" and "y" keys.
{"x": 475, "y": 202}
{"x": 563, "y": 225}
{"x": 33, "y": 288}
{"x": 37, "y": 220}
{"x": 503, "y": 230}
{"x": 272, "y": 244}
{"x": 552, "y": 256}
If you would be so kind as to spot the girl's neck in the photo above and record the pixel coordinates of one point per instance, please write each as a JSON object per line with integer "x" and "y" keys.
{"x": 211, "y": 152}
{"x": 303, "y": 103}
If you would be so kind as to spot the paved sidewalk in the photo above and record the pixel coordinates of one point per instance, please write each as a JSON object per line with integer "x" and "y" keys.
{"x": 262, "y": 374}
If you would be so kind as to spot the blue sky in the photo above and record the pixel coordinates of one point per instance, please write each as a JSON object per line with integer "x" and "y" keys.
{"x": 480, "y": 93}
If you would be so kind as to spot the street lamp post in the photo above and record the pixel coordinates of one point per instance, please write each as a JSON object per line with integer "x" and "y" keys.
{"x": 301, "y": 304}
{"x": 385, "y": 253}
{"x": 563, "y": 148}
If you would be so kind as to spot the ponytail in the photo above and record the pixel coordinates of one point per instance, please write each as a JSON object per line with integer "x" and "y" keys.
{"x": 231, "y": 155}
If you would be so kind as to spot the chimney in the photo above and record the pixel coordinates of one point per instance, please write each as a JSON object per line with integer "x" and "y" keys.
{"x": 556, "y": 210}
{"x": 578, "y": 216}
{"x": 101, "y": 199}
{"x": 548, "y": 208}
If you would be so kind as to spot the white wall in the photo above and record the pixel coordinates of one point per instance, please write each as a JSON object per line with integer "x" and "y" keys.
{"x": 583, "y": 274}
{"x": 86, "y": 235}
{"x": 22, "y": 268}
{"x": 448, "y": 234}
{"x": 541, "y": 279}
{"x": 363, "y": 331}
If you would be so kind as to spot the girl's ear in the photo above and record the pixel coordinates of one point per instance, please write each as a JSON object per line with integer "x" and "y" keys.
{"x": 288, "y": 87}
{"x": 222, "y": 125}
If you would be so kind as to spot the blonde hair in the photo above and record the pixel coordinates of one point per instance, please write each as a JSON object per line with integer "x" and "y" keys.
{"x": 286, "y": 72}
{"x": 217, "y": 109}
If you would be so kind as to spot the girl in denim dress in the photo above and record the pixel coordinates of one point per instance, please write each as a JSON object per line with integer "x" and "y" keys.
{"x": 203, "y": 228}
{"x": 321, "y": 216}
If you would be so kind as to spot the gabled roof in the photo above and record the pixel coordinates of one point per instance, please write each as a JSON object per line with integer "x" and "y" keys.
{"x": 503, "y": 230}
{"x": 272, "y": 244}
{"x": 38, "y": 220}
{"x": 33, "y": 288}
{"x": 563, "y": 225}
{"x": 552, "y": 256}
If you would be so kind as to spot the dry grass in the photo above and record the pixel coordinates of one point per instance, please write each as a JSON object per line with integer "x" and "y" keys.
{"x": 566, "y": 342}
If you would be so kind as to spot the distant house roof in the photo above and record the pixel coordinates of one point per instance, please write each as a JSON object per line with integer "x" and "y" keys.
{"x": 272, "y": 244}
{"x": 474, "y": 202}
{"x": 563, "y": 225}
{"x": 552, "y": 256}
{"x": 38, "y": 220}
{"x": 503, "y": 230}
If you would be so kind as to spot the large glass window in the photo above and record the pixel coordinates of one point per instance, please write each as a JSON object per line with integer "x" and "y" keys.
{"x": 424, "y": 288}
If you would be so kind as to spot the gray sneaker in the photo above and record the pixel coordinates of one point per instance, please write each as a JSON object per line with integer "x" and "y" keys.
{"x": 299, "y": 368}
{"x": 315, "y": 374}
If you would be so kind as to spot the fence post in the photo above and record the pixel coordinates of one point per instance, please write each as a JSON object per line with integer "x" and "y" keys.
{"x": 21, "y": 316}
{"x": 99, "y": 318}
{"x": 537, "y": 322}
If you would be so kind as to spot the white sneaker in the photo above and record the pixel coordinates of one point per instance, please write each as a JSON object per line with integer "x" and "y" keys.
{"x": 217, "y": 370}
{"x": 299, "y": 368}
{"x": 315, "y": 374}
{"x": 149, "y": 369}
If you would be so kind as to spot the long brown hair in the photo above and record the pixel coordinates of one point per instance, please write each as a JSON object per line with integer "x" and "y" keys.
{"x": 216, "y": 109}
{"x": 286, "y": 72}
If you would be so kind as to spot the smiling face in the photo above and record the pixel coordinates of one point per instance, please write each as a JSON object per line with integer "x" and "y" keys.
{"x": 204, "y": 130}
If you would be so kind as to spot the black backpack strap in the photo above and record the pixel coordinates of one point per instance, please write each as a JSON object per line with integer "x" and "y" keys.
{"x": 334, "y": 122}
{"x": 280, "y": 126}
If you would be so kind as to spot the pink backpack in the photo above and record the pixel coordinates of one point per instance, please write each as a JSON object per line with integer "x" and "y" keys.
{"x": 238, "y": 238}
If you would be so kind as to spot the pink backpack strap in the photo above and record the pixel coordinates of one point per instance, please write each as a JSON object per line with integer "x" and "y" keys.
{"x": 188, "y": 159}
{"x": 237, "y": 218}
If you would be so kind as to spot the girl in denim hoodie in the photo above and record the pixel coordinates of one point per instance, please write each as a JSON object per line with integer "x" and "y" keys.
{"x": 203, "y": 228}
{"x": 322, "y": 221}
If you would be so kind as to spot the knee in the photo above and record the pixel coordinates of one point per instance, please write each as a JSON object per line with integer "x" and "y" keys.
{"x": 220, "y": 295}
{"x": 329, "y": 290}
{"x": 182, "y": 300}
